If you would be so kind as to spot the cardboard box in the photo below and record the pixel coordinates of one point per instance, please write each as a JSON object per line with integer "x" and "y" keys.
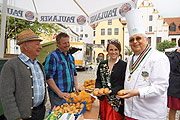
{"x": 80, "y": 117}
{"x": 67, "y": 116}
{"x": 55, "y": 115}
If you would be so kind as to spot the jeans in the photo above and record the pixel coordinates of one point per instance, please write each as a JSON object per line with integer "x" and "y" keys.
{"x": 54, "y": 100}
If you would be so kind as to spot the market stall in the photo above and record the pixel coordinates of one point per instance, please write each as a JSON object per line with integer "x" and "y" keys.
{"x": 71, "y": 111}
{"x": 94, "y": 112}
{"x": 80, "y": 106}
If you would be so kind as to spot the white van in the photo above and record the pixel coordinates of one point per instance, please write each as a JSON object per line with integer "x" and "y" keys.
{"x": 79, "y": 56}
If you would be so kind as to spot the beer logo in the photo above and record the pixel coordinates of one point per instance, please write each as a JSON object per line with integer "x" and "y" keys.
{"x": 81, "y": 20}
{"x": 124, "y": 9}
{"x": 29, "y": 15}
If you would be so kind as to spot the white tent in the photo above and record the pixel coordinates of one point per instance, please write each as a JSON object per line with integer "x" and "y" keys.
{"x": 52, "y": 10}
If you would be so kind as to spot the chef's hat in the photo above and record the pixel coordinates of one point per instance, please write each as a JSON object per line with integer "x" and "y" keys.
{"x": 135, "y": 22}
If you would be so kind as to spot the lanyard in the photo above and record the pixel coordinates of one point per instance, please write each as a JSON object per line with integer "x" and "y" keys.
{"x": 134, "y": 66}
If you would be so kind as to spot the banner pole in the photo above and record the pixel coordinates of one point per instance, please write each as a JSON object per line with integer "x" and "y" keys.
{"x": 81, "y": 8}
{"x": 3, "y": 26}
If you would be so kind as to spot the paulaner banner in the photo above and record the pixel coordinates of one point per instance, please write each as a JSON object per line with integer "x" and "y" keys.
{"x": 62, "y": 18}
{"x": 19, "y": 13}
{"x": 112, "y": 12}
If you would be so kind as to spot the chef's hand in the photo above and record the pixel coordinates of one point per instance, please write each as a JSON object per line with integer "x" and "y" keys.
{"x": 129, "y": 93}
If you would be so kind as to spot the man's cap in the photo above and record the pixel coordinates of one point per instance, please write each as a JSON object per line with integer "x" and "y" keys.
{"x": 27, "y": 35}
{"x": 135, "y": 22}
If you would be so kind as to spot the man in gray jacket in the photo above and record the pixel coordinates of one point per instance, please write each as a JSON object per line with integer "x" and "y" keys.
{"x": 22, "y": 81}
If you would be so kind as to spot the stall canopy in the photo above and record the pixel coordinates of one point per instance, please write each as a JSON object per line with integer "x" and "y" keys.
{"x": 77, "y": 12}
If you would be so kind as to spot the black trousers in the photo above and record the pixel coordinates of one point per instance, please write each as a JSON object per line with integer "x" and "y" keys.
{"x": 2, "y": 117}
{"x": 38, "y": 113}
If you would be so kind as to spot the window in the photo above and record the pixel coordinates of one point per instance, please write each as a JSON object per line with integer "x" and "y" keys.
{"x": 108, "y": 41}
{"x": 173, "y": 40}
{"x": 109, "y": 22}
{"x": 81, "y": 35}
{"x": 116, "y": 31}
{"x": 149, "y": 40}
{"x": 86, "y": 35}
{"x": 77, "y": 30}
{"x": 94, "y": 33}
{"x": 81, "y": 29}
{"x": 172, "y": 27}
{"x": 150, "y": 17}
{"x": 102, "y": 31}
{"x": 150, "y": 28}
{"x": 87, "y": 52}
{"x": 158, "y": 40}
{"x": 109, "y": 31}
{"x": 71, "y": 38}
{"x": 103, "y": 43}
{"x": 179, "y": 27}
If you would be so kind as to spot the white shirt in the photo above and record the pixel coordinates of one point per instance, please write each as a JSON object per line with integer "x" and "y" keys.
{"x": 152, "y": 102}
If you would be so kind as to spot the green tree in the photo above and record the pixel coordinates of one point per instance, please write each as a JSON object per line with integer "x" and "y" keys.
{"x": 14, "y": 26}
{"x": 128, "y": 50}
{"x": 165, "y": 44}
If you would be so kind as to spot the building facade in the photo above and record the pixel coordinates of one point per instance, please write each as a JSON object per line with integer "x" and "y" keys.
{"x": 104, "y": 32}
{"x": 174, "y": 28}
{"x": 155, "y": 27}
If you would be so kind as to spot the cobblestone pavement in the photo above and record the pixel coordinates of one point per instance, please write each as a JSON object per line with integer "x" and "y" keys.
{"x": 89, "y": 74}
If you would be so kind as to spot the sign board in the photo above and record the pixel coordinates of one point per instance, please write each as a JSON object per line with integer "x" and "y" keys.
{"x": 62, "y": 18}
{"x": 112, "y": 12}
{"x": 19, "y": 13}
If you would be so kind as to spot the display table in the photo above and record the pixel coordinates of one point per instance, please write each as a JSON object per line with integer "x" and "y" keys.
{"x": 93, "y": 113}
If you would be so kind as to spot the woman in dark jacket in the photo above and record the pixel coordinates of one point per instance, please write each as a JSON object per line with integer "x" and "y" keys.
{"x": 111, "y": 74}
{"x": 174, "y": 83}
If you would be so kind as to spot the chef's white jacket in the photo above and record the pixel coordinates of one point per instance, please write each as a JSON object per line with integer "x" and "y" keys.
{"x": 152, "y": 102}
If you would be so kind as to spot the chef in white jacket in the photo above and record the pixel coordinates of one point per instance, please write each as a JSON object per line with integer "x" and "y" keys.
{"x": 147, "y": 75}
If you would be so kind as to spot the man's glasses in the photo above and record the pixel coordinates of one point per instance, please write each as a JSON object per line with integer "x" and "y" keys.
{"x": 138, "y": 38}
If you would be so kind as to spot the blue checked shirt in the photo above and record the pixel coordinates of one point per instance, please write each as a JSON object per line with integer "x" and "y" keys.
{"x": 38, "y": 79}
{"x": 61, "y": 69}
